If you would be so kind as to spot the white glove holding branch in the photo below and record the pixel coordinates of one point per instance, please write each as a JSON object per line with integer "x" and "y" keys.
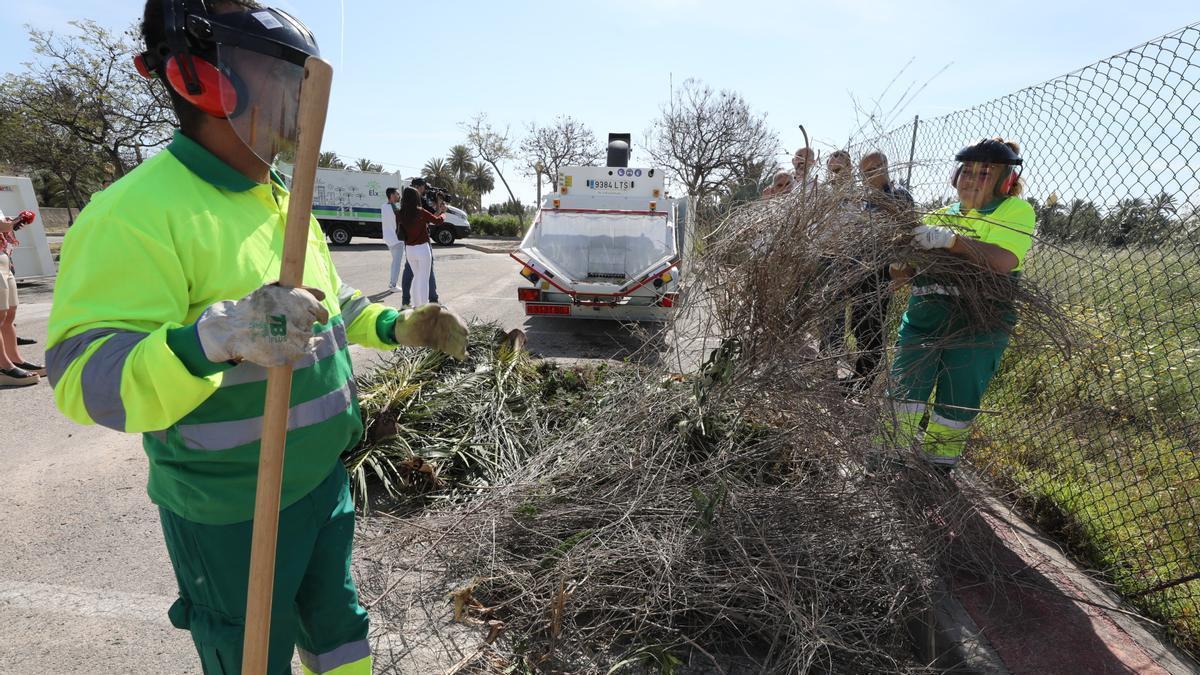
{"x": 273, "y": 326}
{"x": 933, "y": 236}
{"x": 433, "y": 326}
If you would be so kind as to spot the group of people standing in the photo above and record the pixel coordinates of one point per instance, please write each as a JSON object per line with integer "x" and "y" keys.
{"x": 406, "y": 217}
{"x": 939, "y": 353}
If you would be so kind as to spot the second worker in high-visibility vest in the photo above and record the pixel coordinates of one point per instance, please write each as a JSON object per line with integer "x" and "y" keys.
{"x": 939, "y": 354}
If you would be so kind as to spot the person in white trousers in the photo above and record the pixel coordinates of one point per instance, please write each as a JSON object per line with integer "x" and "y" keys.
{"x": 391, "y": 224}
{"x": 414, "y": 221}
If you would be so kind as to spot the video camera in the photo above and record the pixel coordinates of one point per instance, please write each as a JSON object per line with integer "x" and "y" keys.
{"x": 432, "y": 193}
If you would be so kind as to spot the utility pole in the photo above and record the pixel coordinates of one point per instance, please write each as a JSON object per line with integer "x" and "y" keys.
{"x": 537, "y": 167}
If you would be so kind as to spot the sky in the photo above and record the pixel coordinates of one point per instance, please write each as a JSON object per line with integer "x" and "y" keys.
{"x": 407, "y": 74}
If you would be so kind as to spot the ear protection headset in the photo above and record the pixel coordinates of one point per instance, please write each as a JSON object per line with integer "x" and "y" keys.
{"x": 991, "y": 151}
{"x": 187, "y": 61}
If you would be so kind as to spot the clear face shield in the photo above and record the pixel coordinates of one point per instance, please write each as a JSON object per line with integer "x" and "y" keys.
{"x": 980, "y": 181}
{"x": 263, "y": 105}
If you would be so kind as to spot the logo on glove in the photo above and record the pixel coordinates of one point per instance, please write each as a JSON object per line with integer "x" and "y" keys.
{"x": 274, "y": 329}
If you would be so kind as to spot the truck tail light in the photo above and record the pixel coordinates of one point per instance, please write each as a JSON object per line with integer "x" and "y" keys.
{"x": 668, "y": 300}
{"x": 529, "y": 294}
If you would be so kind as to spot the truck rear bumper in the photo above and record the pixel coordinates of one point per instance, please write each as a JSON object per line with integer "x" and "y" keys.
{"x": 611, "y": 313}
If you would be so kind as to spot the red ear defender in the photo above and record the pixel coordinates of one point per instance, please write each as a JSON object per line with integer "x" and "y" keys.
{"x": 1009, "y": 182}
{"x": 139, "y": 62}
{"x": 216, "y": 90}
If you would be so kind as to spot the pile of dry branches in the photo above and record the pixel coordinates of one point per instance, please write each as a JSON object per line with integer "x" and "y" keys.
{"x": 727, "y": 518}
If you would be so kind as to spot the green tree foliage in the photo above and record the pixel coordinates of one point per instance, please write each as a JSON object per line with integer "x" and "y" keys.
{"x": 482, "y": 181}
{"x": 329, "y": 159}
{"x": 79, "y": 115}
{"x": 1132, "y": 221}
{"x": 364, "y": 164}
{"x": 438, "y": 172}
{"x": 460, "y": 161}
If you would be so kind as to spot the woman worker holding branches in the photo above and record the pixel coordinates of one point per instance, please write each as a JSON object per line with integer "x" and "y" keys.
{"x": 939, "y": 352}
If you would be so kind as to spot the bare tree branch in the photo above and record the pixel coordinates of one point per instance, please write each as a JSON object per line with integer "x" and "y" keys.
{"x": 564, "y": 142}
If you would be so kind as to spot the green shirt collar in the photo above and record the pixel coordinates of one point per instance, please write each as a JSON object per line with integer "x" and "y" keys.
{"x": 211, "y": 168}
{"x": 955, "y": 209}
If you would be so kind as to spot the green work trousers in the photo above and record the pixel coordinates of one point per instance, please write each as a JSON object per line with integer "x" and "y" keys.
{"x": 938, "y": 355}
{"x": 315, "y": 604}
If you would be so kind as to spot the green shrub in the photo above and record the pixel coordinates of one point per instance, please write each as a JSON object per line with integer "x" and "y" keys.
{"x": 505, "y": 225}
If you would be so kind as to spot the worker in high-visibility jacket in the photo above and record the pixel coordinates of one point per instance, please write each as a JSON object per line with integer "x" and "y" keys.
{"x": 165, "y": 320}
{"x": 938, "y": 352}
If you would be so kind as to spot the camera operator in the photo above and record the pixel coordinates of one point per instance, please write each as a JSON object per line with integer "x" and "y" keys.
{"x": 14, "y": 370}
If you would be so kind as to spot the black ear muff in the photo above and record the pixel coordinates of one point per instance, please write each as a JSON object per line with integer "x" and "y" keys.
{"x": 954, "y": 176}
{"x": 220, "y": 90}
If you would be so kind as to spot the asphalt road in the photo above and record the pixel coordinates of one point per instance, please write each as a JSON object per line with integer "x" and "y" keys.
{"x": 84, "y": 577}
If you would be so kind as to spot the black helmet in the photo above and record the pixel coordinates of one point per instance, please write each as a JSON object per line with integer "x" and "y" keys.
{"x": 245, "y": 67}
{"x": 991, "y": 151}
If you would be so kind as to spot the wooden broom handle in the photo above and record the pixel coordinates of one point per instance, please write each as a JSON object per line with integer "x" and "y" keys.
{"x": 314, "y": 102}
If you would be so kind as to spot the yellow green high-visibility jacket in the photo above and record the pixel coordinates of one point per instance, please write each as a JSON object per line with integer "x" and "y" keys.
{"x": 1008, "y": 223}
{"x": 145, "y": 258}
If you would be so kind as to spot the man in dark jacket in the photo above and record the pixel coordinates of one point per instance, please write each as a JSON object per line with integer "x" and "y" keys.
{"x": 869, "y": 308}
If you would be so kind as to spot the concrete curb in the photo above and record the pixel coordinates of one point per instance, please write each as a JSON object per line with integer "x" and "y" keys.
{"x": 487, "y": 249}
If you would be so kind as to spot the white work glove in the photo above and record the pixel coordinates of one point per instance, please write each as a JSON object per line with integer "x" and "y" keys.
{"x": 273, "y": 326}
{"x": 433, "y": 326}
{"x": 933, "y": 236}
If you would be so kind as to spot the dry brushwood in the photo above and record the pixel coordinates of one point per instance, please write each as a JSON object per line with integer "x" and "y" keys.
{"x": 729, "y": 517}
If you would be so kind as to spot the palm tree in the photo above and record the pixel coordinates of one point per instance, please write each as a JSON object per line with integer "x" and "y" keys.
{"x": 438, "y": 172}
{"x": 482, "y": 181}
{"x": 460, "y": 161}
{"x": 1126, "y": 221}
{"x": 465, "y": 196}
{"x": 330, "y": 160}
{"x": 364, "y": 164}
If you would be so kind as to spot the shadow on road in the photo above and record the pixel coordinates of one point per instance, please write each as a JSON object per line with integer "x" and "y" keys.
{"x": 639, "y": 342}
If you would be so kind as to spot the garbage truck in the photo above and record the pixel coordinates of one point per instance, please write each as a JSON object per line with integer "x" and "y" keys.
{"x": 346, "y": 204}
{"x": 607, "y": 244}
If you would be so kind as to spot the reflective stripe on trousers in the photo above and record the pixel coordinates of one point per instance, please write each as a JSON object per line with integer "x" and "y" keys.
{"x": 353, "y": 658}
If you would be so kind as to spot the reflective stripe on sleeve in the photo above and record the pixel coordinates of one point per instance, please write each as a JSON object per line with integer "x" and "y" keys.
{"x": 62, "y": 355}
{"x": 352, "y": 303}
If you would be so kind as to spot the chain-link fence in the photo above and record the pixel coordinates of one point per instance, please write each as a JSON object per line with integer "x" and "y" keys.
{"x": 1101, "y": 447}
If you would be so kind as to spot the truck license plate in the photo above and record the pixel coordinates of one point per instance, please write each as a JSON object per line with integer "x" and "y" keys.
{"x": 610, "y": 185}
{"x": 532, "y": 308}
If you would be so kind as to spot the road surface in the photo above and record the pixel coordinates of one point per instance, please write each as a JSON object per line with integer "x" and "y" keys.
{"x": 84, "y": 577}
